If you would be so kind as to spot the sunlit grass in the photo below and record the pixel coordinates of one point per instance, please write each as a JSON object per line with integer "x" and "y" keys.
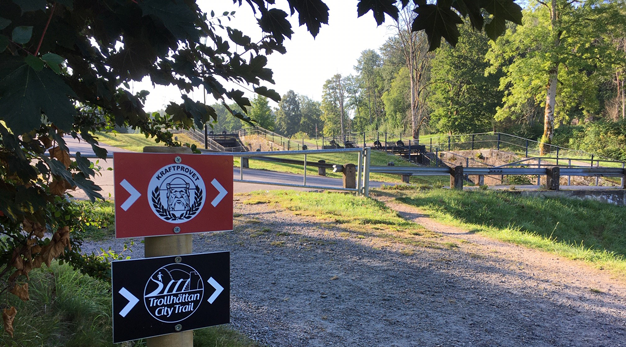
{"x": 135, "y": 142}
{"x": 357, "y": 217}
{"x": 576, "y": 229}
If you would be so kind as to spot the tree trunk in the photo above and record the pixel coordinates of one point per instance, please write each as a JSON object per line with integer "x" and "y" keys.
{"x": 548, "y": 120}
{"x": 623, "y": 99}
{"x": 413, "y": 99}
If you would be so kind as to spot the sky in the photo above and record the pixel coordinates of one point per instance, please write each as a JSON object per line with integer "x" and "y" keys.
{"x": 308, "y": 62}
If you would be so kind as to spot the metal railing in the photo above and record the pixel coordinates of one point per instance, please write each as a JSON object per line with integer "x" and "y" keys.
{"x": 505, "y": 171}
{"x": 362, "y": 175}
{"x": 502, "y": 142}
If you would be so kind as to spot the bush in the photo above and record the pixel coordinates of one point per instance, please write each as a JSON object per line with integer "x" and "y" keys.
{"x": 605, "y": 139}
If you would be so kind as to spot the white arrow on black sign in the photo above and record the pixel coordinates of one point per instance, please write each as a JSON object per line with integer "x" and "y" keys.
{"x": 218, "y": 290}
{"x": 132, "y": 301}
{"x": 134, "y": 195}
{"x": 220, "y": 189}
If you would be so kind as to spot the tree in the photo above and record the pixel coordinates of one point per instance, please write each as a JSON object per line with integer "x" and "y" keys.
{"x": 66, "y": 66}
{"x": 397, "y": 101}
{"x": 288, "y": 115}
{"x": 334, "y": 97}
{"x": 560, "y": 44}
{"x": 369, "y": 82}
{"x": 261, "y": 112}
{"x": 415, "y": 49}
{"x": 224, "y": 120}
{"x": 461, "y": 97}
{"x": 311, "y": 116}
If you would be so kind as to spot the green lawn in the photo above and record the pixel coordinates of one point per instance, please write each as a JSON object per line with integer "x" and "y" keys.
{"x": 577, "y": 229}
{"x": 135, "y": 142}
{"x": 581, "y": 230}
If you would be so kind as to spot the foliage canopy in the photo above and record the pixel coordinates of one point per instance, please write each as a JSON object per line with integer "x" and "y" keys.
{"x": 66, "y": 67}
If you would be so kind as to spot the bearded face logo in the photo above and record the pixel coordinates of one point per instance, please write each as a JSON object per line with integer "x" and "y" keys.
{"x": 178, "y": 196}
{"x": 177, "y": 193}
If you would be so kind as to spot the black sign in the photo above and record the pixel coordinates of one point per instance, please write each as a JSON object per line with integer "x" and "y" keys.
{"x": 164, "y": 295}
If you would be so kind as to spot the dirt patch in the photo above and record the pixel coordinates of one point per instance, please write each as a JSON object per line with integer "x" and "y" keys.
{"x": 297, "y": 281}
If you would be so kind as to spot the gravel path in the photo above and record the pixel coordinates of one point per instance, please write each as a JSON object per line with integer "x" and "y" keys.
{"x": 296, "y": 281}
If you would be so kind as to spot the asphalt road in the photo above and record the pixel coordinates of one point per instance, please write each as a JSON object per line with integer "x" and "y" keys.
{"x": 105, "y": 178}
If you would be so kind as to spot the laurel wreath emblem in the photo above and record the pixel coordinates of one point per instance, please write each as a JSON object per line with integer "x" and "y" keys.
{"x": 167, "y": 215}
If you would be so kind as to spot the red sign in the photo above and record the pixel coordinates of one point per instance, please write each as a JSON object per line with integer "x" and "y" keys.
{"x": 167, "y": 194}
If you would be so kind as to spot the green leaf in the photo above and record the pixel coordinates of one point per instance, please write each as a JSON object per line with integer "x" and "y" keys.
{"x": 238, "y": 37}
{"x": 378, "y": 8}
{"x": 275, "y": 22}
{"x": 99, "y": 151}
{"x": 53, "y": 61}
{"x": 313, "y": 13}
{"x": 4, "y": 42}
{"x": 501, "y": 10}
{"x": 471, "y": 9}
{"x": 4, "y": 23}
{"x": 22, "y": 34}
{"x": 25, "y": 94}
{"x": 88, "y": 187}
{"x": 200, "y": 112}
{"x": 270, "y": 93}
{"x": 34, "y": 62}
{"x": 437, "y": 22}
{"x": 175, "y": 15}
{"x": 504, "y": 10}
{"x": 67, "y": 3}
{"x": 31, "y": 5}
{"x": 84, "y": 165}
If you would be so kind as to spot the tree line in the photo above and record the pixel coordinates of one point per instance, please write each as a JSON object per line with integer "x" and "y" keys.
{"x": 562, "y": 67}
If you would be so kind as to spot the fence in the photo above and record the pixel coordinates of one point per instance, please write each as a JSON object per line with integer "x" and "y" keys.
{"x": 500, "y": 141}
{"x": 362, "y": 174}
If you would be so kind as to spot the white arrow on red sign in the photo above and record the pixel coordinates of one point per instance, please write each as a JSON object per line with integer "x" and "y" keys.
{"x": 219, "y": 196}
{"x": 134, "y": 195}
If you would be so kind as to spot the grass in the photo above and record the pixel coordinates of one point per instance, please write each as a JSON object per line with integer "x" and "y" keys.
{"x": 352, "y": 216}
{"x": 67, "y": 308}
{"x": 98, "y": 219}
{"x": 135, "y": 142}
{"x": 576, "y": 229}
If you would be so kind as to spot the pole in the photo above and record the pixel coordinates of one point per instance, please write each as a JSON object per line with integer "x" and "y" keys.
{"x": 526, "y": 148}
{"x": 159, "y": 246}
{"x": 206, "y": 136}
{"x": 539, "y": 176}
{"x": 498, "y": 141}
{"x": 448, "y": 143}
{"x": 473, "y": 141}
{"x": 366, "y": 179}
{"x": 304, "y": 183}
{"x": 569, "y": 177}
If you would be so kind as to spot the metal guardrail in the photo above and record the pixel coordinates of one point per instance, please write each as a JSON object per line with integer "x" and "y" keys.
{"x": 411, "y": 170}
{"x": 362, "y": 177}
{"x": 503, "y": 171}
